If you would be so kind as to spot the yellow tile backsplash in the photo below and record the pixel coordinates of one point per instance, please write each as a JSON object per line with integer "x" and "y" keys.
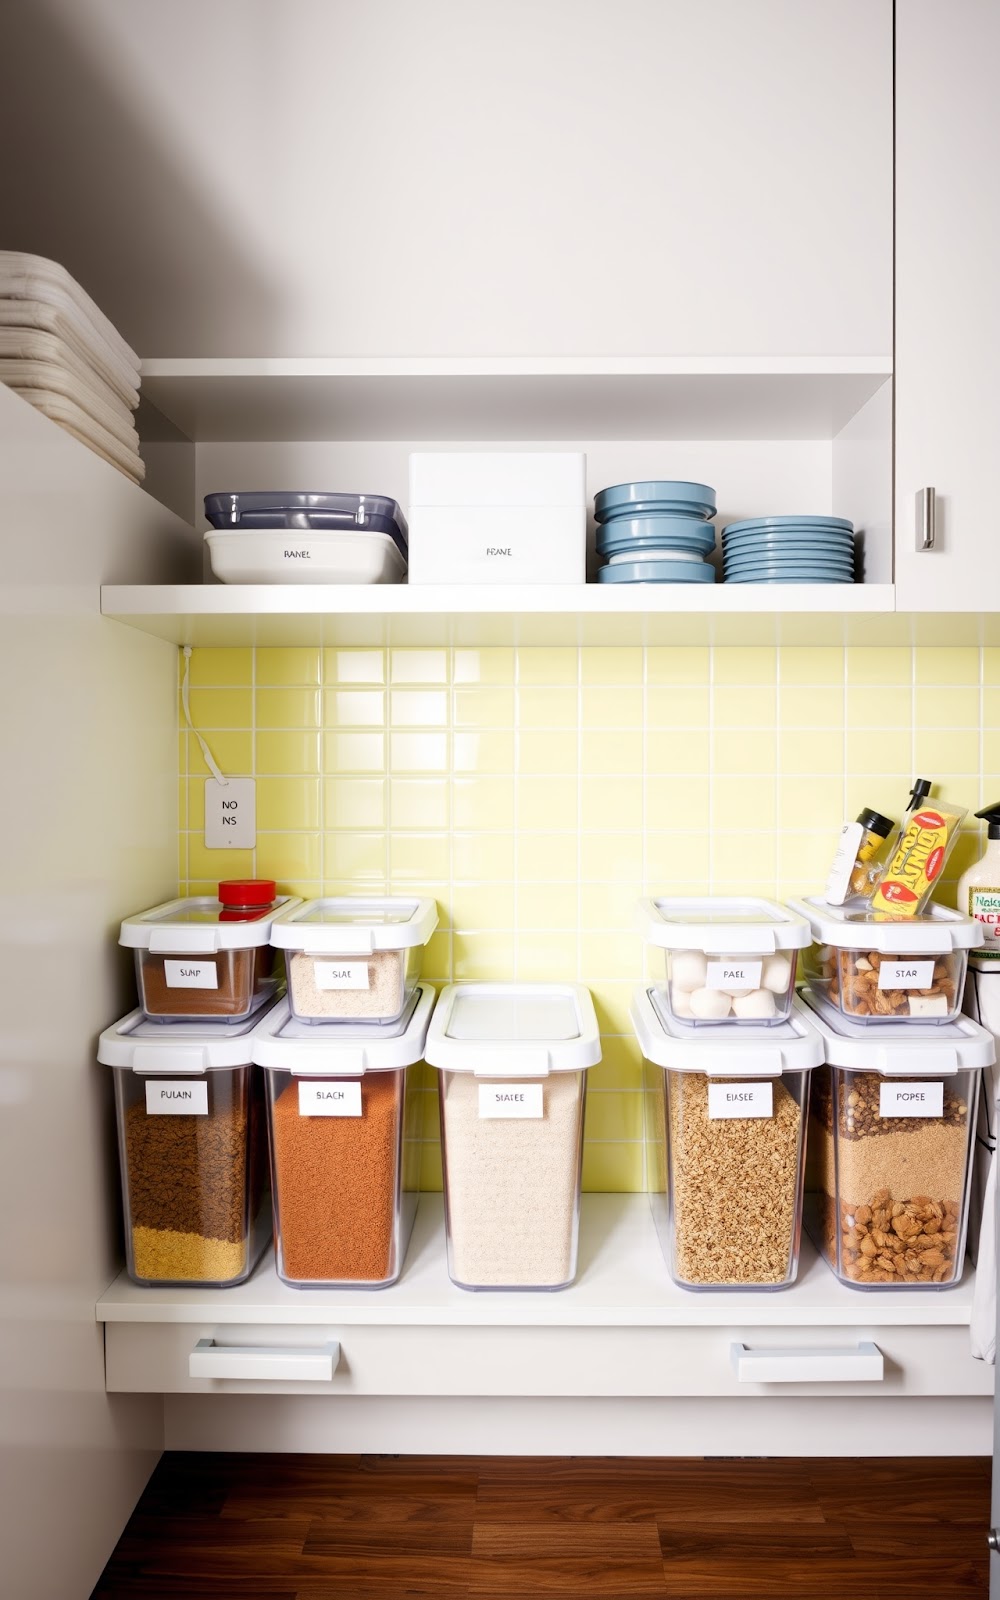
{"x": 535, "y": 793}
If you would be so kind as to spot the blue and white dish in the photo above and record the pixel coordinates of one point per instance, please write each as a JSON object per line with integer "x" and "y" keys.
{"x": 793, "y": 552}
{"x": 658, "y": 572}
{"x": 771, "y": 524}
{"x": 837, "y": 563}
{"x": 677, "y": 533}
{"x": 653, "y": 553}
{"x": 788, "y": 575}
{"x": 796, "y": 577}
{"x": 652, "y": 495}
{"x": 828, "y": 539}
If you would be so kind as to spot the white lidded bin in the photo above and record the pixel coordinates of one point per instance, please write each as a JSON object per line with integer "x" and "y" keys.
{"x": 353, "y": 957}
{"x": 498, "y": 516}
{"x": 344, "y": 1120}
{"x": 878, "y": 969}
{"x": 729, "y": 958}
{"x": 725, "y": 1120}
{"x": 192, "y": 1145}
{"x": 512, "y": 1060}
{"x": 891, "y": 1131}
{"x": 199, "y": 958}
{"x": 304, "y": 555}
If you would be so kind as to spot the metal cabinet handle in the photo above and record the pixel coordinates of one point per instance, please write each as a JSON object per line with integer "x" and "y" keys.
{"x": 264, "y": 1363}
{"x": 861, "y": 1363}
{"x": 926, "y": 519}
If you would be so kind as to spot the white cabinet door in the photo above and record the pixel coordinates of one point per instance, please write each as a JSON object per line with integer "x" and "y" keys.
{"x": 947, "y": 301}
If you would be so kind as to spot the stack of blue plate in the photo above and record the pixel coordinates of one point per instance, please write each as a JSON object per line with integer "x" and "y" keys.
{"x": 657, "y": 531}
{"x": 789, "y": 550}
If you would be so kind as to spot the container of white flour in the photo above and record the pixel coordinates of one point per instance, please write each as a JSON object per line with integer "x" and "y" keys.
{"x": 512, "y": 1063}
{"x": 354, "y": 958}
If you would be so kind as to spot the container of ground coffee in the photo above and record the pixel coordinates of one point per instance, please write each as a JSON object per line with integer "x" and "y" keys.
{"x": 512, "y": 1083}
{"x": 891, "y": 1131}
{"x": 353, "y": 958}
{"x": 192, "y": 1143}
{"x": 344, "y": 1116}
{"x": 202, "y": 957}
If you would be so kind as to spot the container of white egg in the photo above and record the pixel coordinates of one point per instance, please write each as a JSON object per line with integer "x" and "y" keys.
{"x": 729, "y": 959}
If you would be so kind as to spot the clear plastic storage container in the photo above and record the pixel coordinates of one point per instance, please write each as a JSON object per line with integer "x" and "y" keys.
{"x": 192, "y": 1144}
{"x": 200, "y": 958}
{"x": 890, "y": 1139}
{"x": 512, "y": 1061}
{"x": 882, "y": 969}
{"x": 353, "y": 958}
{"x": 725, "y": 1118}
{"x": 345, "y": 1144}
{"x": 729, "y": 959}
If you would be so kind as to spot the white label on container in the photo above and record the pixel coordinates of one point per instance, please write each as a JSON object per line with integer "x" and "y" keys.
{"x": 510, "y": 1100}
{"x": 740, "y": 1100}
{"x": 733, "y": 975}
{"x": 341, "y": 974}
{"x": 911, "y": 1099}
{"x": 329, "y": 1099}
{"x": 906, "y": 975}
{"x": 231, "y": 814}
{"x": 176, "y": 1098}
{"x": 191, "y": 974}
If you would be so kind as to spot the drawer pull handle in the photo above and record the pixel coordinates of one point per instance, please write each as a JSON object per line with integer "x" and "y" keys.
{"x": 263, "y": 1362}
{"x": 861, "y": 1364}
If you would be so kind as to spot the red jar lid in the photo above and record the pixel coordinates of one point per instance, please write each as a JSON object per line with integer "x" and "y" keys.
{"x": 247, "y": 891}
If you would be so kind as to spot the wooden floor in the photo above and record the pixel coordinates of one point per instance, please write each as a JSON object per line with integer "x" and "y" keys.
{"x": 218, "y": 1527}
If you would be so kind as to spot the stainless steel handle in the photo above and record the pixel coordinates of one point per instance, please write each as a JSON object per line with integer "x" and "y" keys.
{"x": 265, "y": 1363}
{"x": 926, "y": 519}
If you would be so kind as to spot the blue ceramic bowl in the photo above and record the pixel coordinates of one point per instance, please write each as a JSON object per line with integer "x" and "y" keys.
{"x": 667, "y": 533}
{"x": 657, "y": 495}
{"x": 795, "y": 577}
{"x": 658, "y": 572}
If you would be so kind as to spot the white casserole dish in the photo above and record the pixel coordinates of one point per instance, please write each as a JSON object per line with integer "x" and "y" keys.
{"x": 294, "y": 555}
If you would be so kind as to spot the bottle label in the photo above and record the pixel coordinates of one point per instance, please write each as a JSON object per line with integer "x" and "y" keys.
{"x": 984, "y": 905}
{"x": 839, "y": 881}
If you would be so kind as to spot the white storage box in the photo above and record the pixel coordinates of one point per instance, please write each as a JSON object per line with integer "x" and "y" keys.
{"x": 354, "y": 958}
{"x": 498, "y": 517}
{"x": 730, "y": 958}
{"x": 513, "y": 1061}
{"x": 293, "y": 555}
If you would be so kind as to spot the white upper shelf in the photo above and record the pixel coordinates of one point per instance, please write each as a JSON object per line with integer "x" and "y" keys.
{"x": 513, "y": 398}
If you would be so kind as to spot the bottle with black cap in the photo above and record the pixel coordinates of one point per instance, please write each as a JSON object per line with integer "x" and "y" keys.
{"x": 876, "y": 831}
{"x": 979, "y": 893}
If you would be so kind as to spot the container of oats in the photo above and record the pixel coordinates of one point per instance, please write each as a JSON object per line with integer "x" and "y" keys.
{"x": 891, "y": 1129}
{"x": 872, "y": 968}
{"x": 353, "y": 958}
{"x": 192, "y": 1145}
{"x": 729, "y": 958}
{"x": 725, "y": 1122}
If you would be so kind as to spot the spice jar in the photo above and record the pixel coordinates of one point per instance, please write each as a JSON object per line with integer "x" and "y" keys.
{"x": 192, "y": 1147}
{"x": 729, "y": 959}
{"x": 353, "y": 957}
{"x": 344, "y": 1122}
{"x": 512, "y": 1061}
{"x": 731, "y": 1109}
{"x": 892, "y": 1122}
{"x": 200, "y": 958}
{"x": 874, "y": 969}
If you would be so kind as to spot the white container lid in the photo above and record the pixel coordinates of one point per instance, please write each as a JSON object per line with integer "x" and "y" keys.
{"x": 514, "y": 1030}
{"x": 937, "y": 932}
{"x": 355, "y": 925}
{"x": 498, "y": 478}
{"x": 181, "y": 1048}
{"x": 744, "y": 1052}
{"x": 721, "y": 924}
{"x": 342, "y": 1050}
{"x": 195, "y": 927}
{"x": 910, "y": 1052}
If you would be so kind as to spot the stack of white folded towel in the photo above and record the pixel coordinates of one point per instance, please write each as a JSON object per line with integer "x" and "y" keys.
{"x": 60, "y": 353}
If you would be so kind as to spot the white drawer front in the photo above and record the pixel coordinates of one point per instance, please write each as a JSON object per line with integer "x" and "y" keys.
{"x": 631, "y": 1362}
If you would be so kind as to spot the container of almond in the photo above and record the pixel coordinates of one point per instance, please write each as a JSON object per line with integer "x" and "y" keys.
{"x": 876, "y": 969}
{"x": 729, "y": 958}
{"x": 353, "y": 958}
{"x": 725, "y": 1113}
{"x": 891, "y": 1128}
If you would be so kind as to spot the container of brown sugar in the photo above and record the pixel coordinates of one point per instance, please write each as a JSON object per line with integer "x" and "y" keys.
{"x": 891, "y": 1127}
{"x": 353, "y": 958}
{"x": 725, "y": 1114}
{"x": 200, "y": 958}
{"x": 877, "y": 969}
{"x": 192, "y": 1145}
{"x": 344, "y": 1114}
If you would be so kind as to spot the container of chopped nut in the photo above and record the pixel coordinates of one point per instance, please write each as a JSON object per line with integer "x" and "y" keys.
{"x": 725, "y": 1121}
{"x": 354, "y": 958}
{"x": 876, "y": 969}
{"x": 891, "y": 1126}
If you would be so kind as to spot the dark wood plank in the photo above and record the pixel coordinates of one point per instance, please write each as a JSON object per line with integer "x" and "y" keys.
{"x": 680, "y": 1491}
{"x": 885, "y": 1491}
{"x": 767, "y": 1559}
{"x": 390, "y": 1534}
{"x": 613, "y": 1560}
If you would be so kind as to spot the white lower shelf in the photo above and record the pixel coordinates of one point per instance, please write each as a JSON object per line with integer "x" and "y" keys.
{"x": 622, "y": 1283}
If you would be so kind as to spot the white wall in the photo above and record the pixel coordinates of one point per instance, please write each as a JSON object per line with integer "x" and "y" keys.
{"x": 88, "y": 813}
{"x": 322, "y": 177}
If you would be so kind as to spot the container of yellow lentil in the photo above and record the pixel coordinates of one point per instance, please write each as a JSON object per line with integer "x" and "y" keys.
{"x": 192, "y": 1146}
